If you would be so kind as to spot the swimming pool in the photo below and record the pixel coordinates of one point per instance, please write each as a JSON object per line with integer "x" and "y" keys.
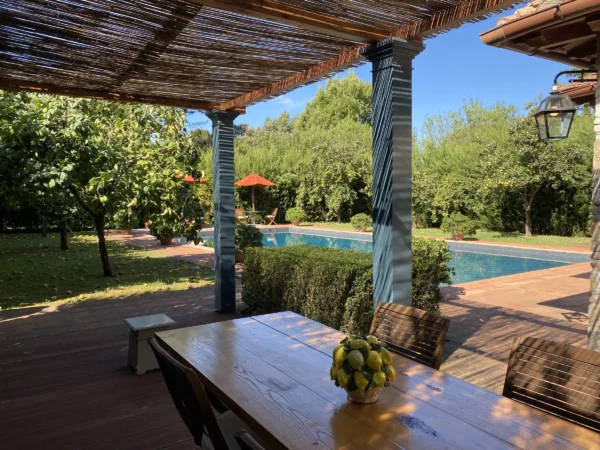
{"x": 468, "y": 266}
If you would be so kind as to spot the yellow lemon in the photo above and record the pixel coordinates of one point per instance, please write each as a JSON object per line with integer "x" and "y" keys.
{"x": 374, "y": 360}
{"x": 356, "y": 359}
{"x": 372, "y": 339}
{"x": 340, "y": 357}
{"x": 386, "y": 356}
{"x": 379, "y": 378}
{"x": 343, "y": 378}
{"x": 361, "y": 380}
{"x": 358, "y": 344}
{"x": 391, "y": 373}
{"x": 337, "y": 347}
{"x": 333, "y": 373}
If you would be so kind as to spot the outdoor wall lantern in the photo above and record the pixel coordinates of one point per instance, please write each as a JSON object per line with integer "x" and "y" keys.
{"x": 556, "y": 112}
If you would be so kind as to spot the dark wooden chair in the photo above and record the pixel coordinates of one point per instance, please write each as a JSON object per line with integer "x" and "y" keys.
{"x": 411, "y": 332}
{"x": 558, "y": 378}
{"x": 246, "y": 441}
{"x": 209, "y": 431}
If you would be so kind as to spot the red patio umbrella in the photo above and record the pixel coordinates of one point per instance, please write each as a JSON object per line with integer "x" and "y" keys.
{"x": 191, "y": 180}
{"x": 254, "y": 180}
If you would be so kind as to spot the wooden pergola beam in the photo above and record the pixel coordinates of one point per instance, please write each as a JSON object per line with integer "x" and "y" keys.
{"x": 438, "y": 22}
{"x": 17, "y": 85}
{"x": 296, "y": 17}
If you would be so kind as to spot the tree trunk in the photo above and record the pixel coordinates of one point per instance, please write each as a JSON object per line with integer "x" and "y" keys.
{"x": 44, "y": 227}
{"x": 64, "y": 243}
{"x": 528, "y": 205}
{"x": 99, "y": 222}
{"x": 594, "y": 306}
{"x": 528, "y": 219}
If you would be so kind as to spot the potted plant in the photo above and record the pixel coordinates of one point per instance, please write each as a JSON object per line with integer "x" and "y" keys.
{"x": 246, "y": 236}
{"x": 163, "y": 232}
{"x": 362, "y": 366}
{"x": 125, "y": 221}
{"x": 459, "y": 226}
{"x": 295, "y": 215}
{"x": 361, "y": 222}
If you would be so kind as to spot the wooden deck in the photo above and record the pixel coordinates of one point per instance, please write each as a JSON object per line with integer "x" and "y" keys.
{"x": 64, "y": 383}
{"x": 481, "y": 334}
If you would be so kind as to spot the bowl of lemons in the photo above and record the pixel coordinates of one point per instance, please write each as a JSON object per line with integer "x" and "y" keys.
{"x": 362, "y": 365}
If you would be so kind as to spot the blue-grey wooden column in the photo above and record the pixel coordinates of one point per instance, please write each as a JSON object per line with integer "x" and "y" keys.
{"x": 392, "y": 168}
{"x": 222, "y": 142}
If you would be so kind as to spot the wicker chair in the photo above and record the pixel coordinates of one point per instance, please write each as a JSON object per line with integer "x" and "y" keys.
{"x": 558, "y": 378}
{"x": 410, "y": 332}
{"x": 209, "y": 431}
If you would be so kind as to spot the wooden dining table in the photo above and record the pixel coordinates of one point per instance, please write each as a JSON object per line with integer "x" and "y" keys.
{"x": 273, "y": 372}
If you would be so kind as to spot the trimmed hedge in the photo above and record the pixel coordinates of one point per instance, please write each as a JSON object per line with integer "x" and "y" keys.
{"x": 335, "y": 287}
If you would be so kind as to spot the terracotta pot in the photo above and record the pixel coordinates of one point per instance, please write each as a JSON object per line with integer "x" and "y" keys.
{"x": 459, "y": 236}
{"x": 361, "y": 229}
{"x": 296, "y": 223}
{"x": 239, "y": 257}
{"x": 126, "y": 231}
{"x": 360, "y": 396}
{"x": 166, "y": 241}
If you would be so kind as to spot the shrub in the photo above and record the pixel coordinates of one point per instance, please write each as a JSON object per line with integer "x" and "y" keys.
{"x": 361, "y": 221}
{"x": 295, "y": 215}
{"x": 429, "y": 269}
{"x": 162, "y": 230}
{"x": 459, "y": 226}
{"x": 167, "y": 228}
{"x": 247, "y": 236}
{"x": 333, "y": 286}
{"x": 125, "y": 220}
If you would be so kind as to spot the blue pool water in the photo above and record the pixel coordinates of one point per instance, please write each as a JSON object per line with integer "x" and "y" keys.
{"x": 468, "y": 266}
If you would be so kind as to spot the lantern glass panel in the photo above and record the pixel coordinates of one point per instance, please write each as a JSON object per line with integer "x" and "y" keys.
{"x": 559, "y": 124}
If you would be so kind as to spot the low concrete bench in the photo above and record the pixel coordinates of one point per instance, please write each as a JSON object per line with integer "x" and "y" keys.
{"x": 140, "y": 356}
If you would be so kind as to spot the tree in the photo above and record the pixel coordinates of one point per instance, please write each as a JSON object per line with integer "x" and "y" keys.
{"x": 24, "y": 182}
{"x": 526, "y": 165}
{"x": 337, "y": 173}
{"x": 201, "y": 140}
{"x": 107, "y": 157}
{"x": 447, "y": 170}
{"x": 347, "y": 98}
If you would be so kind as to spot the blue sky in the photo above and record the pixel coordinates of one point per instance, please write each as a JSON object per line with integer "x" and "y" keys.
{"x": 453, "y": 67}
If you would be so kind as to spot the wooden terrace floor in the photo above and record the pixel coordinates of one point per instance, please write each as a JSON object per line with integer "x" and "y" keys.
{"x": 64, "y": 383}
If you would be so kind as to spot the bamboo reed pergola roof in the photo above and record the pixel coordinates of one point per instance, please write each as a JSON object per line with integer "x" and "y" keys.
{"x": 204, "y": 54}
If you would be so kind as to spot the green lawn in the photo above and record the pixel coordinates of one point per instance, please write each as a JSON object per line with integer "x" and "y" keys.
{"x": 33, "y": 270}
{"x": 494, "y": 236}
{"x": 515, "y": 238}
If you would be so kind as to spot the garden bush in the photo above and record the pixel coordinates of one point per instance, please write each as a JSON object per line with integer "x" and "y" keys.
{"x": 295, "y": 215}
{"x": 332, "y": 286}
{"x": 430, "y": 268}
{"x": 459, "y": 226}
{"x": 247, "y": 236}
{"x": 361, "y": 221}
